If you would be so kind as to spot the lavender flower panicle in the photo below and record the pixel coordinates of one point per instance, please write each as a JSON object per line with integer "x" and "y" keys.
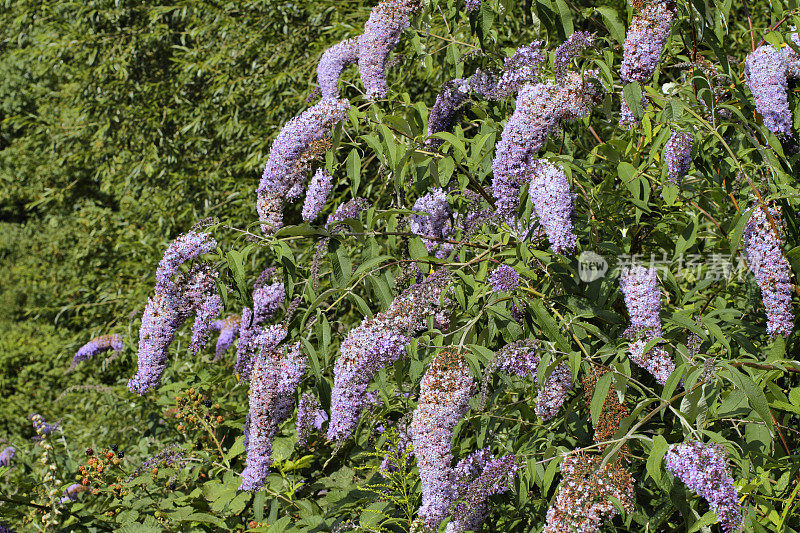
{"x": 302, "y": 139}
{"x": 504, "y": 279}
{"x": 228, "y": 329}
{"x": 177, "y": 296}
{"x": 332, "y": 63}
{"x": 96, "y": 346}
{"x": 473, "y": 5}
{"x": 553, "y": 201}
{"x": 201, "y": 295}
{"x": 566, "y": 51}
{"x": 276, "y": 374}
{"x": 377, "y": 342}
{"x": 381, "y": 34}
{"x": 704, "y": 469}
{"x": 445, "y": 391}
{"x": 435, "y": 224}
{"x": 644, "y": 42}
{"x": 267, "y": 299}
{"x": 317, "y": 194}
{"x": 446, "y": 110}
{"x": 678, "y": 155}
{"x": 478, "y": 477}
{"x": 540, "y": 109}
{"x": 771, "y": 269}
{"x": 582, "y": 502}
{"x": 521, "y": 68}
{"x": 350, "y": 209}
{"x": 643, "y": 300}
{"x": 7, "y": 455}
{"x": 185, "y": 248}
{"x": 766, "y": 74}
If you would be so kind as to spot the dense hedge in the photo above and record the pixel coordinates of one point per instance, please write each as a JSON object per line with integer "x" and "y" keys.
{"x": 125, "y": 124}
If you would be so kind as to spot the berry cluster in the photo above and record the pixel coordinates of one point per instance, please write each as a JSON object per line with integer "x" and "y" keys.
{"x": 103, "y": 472}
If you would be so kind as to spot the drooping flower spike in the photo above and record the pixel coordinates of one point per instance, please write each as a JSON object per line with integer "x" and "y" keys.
{"x": 276, "y": 373}
{"x": 770, "y": 267}
{"x": 302, "y": 139}
{"x": 96, "y": 346}
{"x": 445, "y": 391}
{"x": 678, "y": 155}
{"x": 436, "y": 223}
{"x": 228, "y": 329}
{"x": 386, "y": 23}
{"x": 332, "y": 63}
{"x": 704, "y": 469}
{"x": 377, "y": 342}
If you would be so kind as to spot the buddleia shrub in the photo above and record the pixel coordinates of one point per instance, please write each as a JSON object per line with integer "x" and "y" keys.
{"x": 510, "y": 266}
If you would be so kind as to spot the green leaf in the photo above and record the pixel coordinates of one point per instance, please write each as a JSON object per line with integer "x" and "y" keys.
{"x": 565, "y": 14}
{"x": 340, "y": 263}
{"x": 354, "y": 170}
{"x": 755, "y": 396}
{"x": 599, "y": 396}
{"x": 632, "y": 92}
{"x": 656, "y": 458}
{"x": 615, "y": 28}
{"x": 235, "y": 263}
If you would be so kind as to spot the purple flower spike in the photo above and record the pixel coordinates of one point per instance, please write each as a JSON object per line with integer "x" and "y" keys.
{"x": 7, "y": 455}
{"x": 566, "y": 51}
{"x": 228, "y": 330}
{"x": 317, "y": 194}
{"x": 554, "y": 392}
{"x": 332, "y": 63}
{"x": 553, "y": 201}
{"x": 478, "y": 477}
{"x": 766, "y": 70}
{"x": 445, "y": 391}
{"x": 446, "y": 110}
{"x": 473, "y": 5}
{"x": 436, "y": 224}
{"x": 504, "y": 279}
{"x": 521, "y": 68}
{"x": 643, "y": 300}
{"x": 96, "y": 346}
{"x": 276, "y": 373}
{"x": 309, "y": 416}
{"x": 678, "y": 155}
{"x": 164, "y": 315}
{"x": 303, "y": 139}
{"x": 376, "y": 343}
{"x": 381, "y": 34}
{"x": 772, "y": 271}
{"x": 645, "y": 40}
{"x": 704, "y": 469}
{"x": 178, "y": 294}
{"x": 540, "y": 109}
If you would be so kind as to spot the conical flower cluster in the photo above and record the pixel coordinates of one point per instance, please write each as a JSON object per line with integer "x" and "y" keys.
{"x": 267, "y": 299}
{"x": 445, "y": 391}
{"x": 540, "y": 109}
{"x": 477, "y": 477}
{"x": 302, "y": 139}
{"x": 276, "y": 374}
{"x": 553, "y": 202}
{"x": 643, "y": 300}
{"x": 766, "y": 71}
{"x": 378, "y": 342}
{"x": 644, "y": 42}
{"x": 96, "y": 346}
{"x": 446, "y": 109}
{"x": 332, "y": 63}
{"x": 771, "y": 269}
{"x": 704, "y": 469}
{"x": 678, "y": 155}
{"x": 381, "y": 34}
{"x": 178, "y": 294}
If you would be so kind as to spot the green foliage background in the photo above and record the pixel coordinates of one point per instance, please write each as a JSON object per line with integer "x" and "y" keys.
{"x": 123, "y": 122}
